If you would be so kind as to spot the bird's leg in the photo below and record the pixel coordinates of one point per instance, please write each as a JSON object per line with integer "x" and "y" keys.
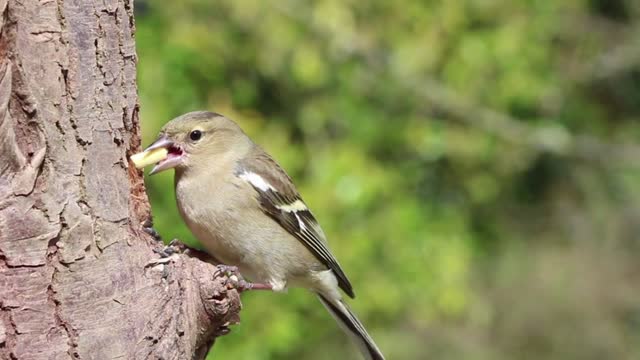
{"x": 242, "y": 285}
{"x": 236, "y": 281}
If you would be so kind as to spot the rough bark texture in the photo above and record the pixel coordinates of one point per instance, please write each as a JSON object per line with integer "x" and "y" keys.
{"x": 73, "y": 281}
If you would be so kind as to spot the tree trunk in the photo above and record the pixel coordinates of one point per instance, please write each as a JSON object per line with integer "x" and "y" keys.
{"x": 73, "y": 275}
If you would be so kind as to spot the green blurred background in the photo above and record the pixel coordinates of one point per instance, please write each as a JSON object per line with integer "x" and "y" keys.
{"x": 475, "y": 164}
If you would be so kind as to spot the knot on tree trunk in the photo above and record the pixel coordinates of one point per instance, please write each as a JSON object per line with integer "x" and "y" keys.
{"x": 202, "y": 308}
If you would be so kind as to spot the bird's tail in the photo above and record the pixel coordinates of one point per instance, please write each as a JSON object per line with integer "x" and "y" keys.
{"x": 353, "y": 327}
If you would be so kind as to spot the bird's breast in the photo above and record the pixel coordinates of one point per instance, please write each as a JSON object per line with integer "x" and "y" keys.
{"x": 211, "y": 211}
{"x": 225, "y": 216}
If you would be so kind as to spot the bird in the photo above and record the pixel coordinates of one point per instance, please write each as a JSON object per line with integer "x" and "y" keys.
{"x": 247, "y": 213}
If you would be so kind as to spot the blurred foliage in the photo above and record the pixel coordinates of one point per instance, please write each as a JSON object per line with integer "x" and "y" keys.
{"x": 473, "y": 163}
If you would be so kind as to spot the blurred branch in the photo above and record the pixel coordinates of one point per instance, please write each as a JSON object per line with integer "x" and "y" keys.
{"x": 553, "y": 138}
{"x": 620, "y": 59}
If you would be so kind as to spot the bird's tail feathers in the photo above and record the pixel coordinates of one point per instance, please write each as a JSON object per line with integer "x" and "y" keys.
{"x": 353, "y": 327}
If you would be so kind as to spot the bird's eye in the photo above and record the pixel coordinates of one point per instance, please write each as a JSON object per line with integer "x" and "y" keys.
{"x": 195, "y": 135}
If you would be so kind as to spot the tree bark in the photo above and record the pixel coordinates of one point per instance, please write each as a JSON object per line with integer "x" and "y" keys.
{"x": 73, "y": 276}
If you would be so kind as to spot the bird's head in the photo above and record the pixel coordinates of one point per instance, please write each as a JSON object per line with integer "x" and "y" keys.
{"x": 193, "y": 140}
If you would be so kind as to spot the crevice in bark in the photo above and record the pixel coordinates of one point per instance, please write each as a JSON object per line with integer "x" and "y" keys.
{"x": 53, "y": 261}
{"x": 7, "y": 333}
{"x": 65, "y": 326}
{"x": 73, "y": 253}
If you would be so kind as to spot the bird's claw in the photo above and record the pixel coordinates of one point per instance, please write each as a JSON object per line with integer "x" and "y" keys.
{"x": 234, "y": 280}
{"x": 238, "y": 283}
{"x": 228, "y": 270}
{"x": 174, "y": 247}
{"x": 167, "y": 254}
{"x": 147, "y": 226}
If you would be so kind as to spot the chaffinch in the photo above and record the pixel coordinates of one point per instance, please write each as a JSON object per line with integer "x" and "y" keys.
{"x": 244, "y": 209}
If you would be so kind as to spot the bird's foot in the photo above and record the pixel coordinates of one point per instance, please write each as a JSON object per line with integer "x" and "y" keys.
{"x": 168, "y": 254}
{"x": 236, "y": 281}
{"x": 228, "y": 270}
{"x": 147, "y": 226}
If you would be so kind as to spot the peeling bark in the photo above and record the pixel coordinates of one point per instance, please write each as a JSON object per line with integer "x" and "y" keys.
{"x": 73, "y": 281}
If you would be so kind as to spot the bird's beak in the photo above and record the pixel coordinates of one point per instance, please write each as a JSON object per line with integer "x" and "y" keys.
{"x": 163, "y": 152}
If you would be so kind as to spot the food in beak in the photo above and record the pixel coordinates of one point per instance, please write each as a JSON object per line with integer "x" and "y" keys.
{"x": 148, "y": 157}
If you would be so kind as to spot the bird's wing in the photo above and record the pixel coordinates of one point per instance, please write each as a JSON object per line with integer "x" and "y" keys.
{"x": 280, "y": 200}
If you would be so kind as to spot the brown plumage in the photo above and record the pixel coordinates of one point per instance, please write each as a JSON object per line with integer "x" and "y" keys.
{"x": 301, "y": 223}
{"x": 243, "y": 207}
